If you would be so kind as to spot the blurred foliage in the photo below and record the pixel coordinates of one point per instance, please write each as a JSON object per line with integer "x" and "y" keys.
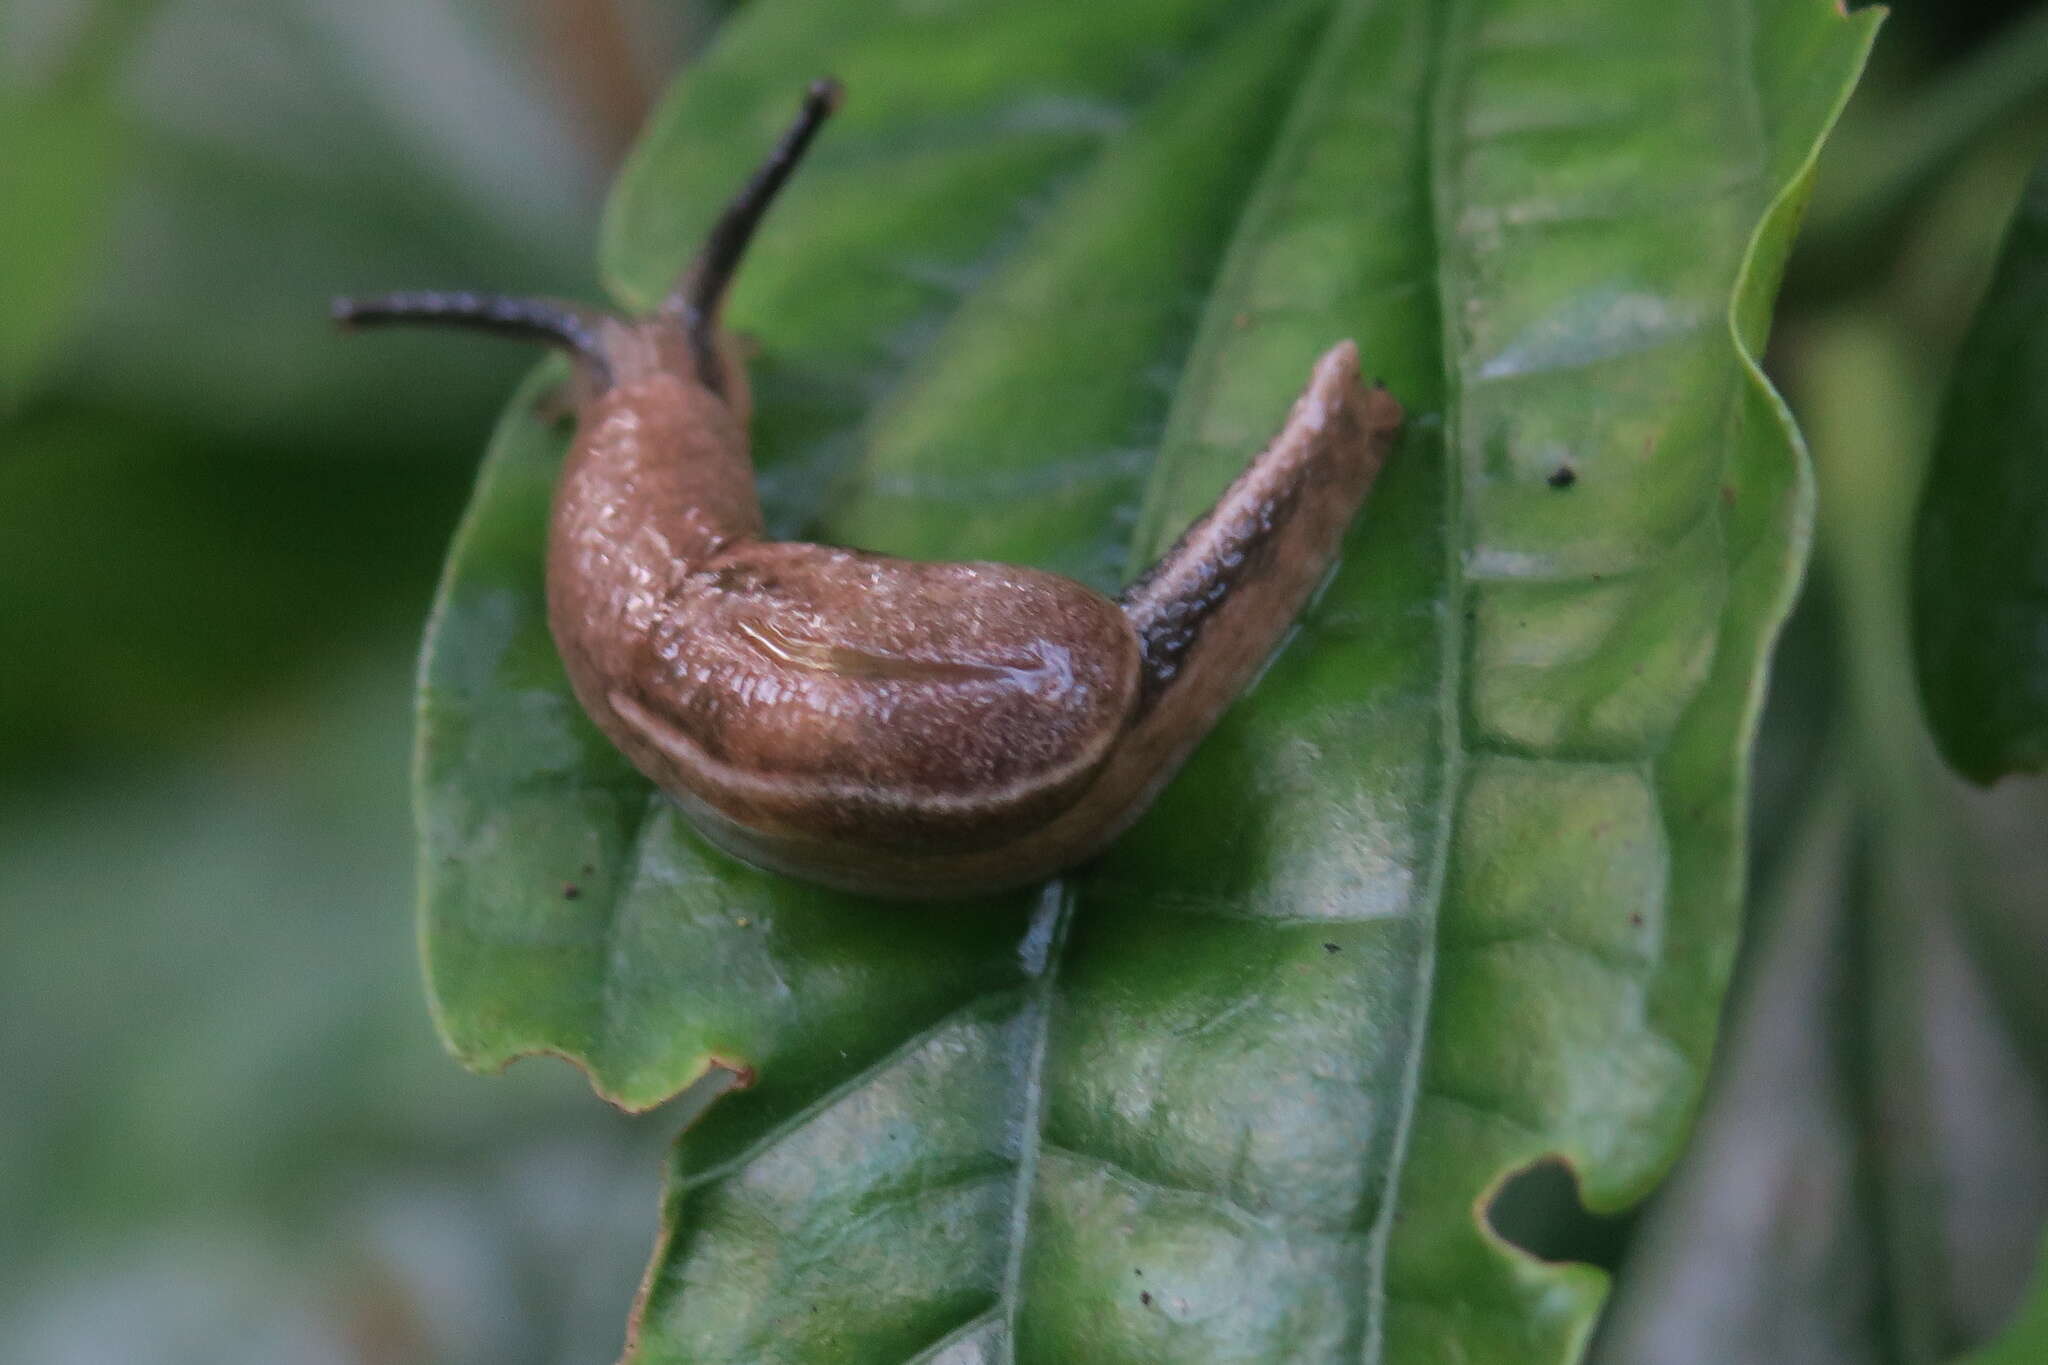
{"x": 1980, "y": 563}
{"x": 2026, "y": 1341}
{"x": 231, "y": 1137}
{"x": 205, "y": 491}
{"x": 60, "y": 151}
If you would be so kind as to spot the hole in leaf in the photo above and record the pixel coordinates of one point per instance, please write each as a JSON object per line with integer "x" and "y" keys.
{"x": 1538, "y": 1210}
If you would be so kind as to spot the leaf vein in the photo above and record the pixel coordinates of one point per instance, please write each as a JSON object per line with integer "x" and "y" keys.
{"x": 1059, "y": 903}
{"x": 788, "y": 1126}
{"x": 952, "y": 1337}
{"x": 1438, "y": 95}
{"x": 1123, "y": 1173}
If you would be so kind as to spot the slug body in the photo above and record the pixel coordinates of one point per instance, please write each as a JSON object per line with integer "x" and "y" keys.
{"x": 878, "y": 724}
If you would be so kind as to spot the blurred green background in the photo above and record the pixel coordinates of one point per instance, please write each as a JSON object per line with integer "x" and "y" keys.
{"x": 228, "y": 1133}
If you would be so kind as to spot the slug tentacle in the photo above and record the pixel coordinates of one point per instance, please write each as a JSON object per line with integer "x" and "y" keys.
{"x": 698, "y": 296}
{"x": 872, "y": 723}
{"x": 571, "y": 326}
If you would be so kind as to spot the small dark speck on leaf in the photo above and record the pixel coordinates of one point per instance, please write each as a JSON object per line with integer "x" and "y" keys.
{"x": 1727, "y": 495}
{"x": 1635, "y": 917}
{"x": 1139, "y": 1273}
{"x": 1330, "y": 948}
{"x": 589, "y": 869}
{"x": 1564, "y": 476}
{"x": 570, "y": 891}
{"x": 1145, "y": 1298}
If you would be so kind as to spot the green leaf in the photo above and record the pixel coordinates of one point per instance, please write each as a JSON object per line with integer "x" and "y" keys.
{"x": 2026, "y": 1341}
{"x": 63, "y": 146}
{"x": 1980, "y": 574}
{"x": 1453, "y": 890}
{"x": 60, "y": 156}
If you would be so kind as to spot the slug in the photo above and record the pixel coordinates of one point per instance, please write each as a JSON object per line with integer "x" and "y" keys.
{"x": 871, "y": 723}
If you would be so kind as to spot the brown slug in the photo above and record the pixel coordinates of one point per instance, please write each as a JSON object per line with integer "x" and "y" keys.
{"x": 873, "y": 723}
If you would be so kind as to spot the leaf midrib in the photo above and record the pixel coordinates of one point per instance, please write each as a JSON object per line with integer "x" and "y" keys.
{"x": 1450, "y": 688}
{"x": 1060, "y": 902}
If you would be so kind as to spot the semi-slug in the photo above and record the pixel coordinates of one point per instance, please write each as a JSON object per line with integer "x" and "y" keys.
{"x": 873, "y": 723}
